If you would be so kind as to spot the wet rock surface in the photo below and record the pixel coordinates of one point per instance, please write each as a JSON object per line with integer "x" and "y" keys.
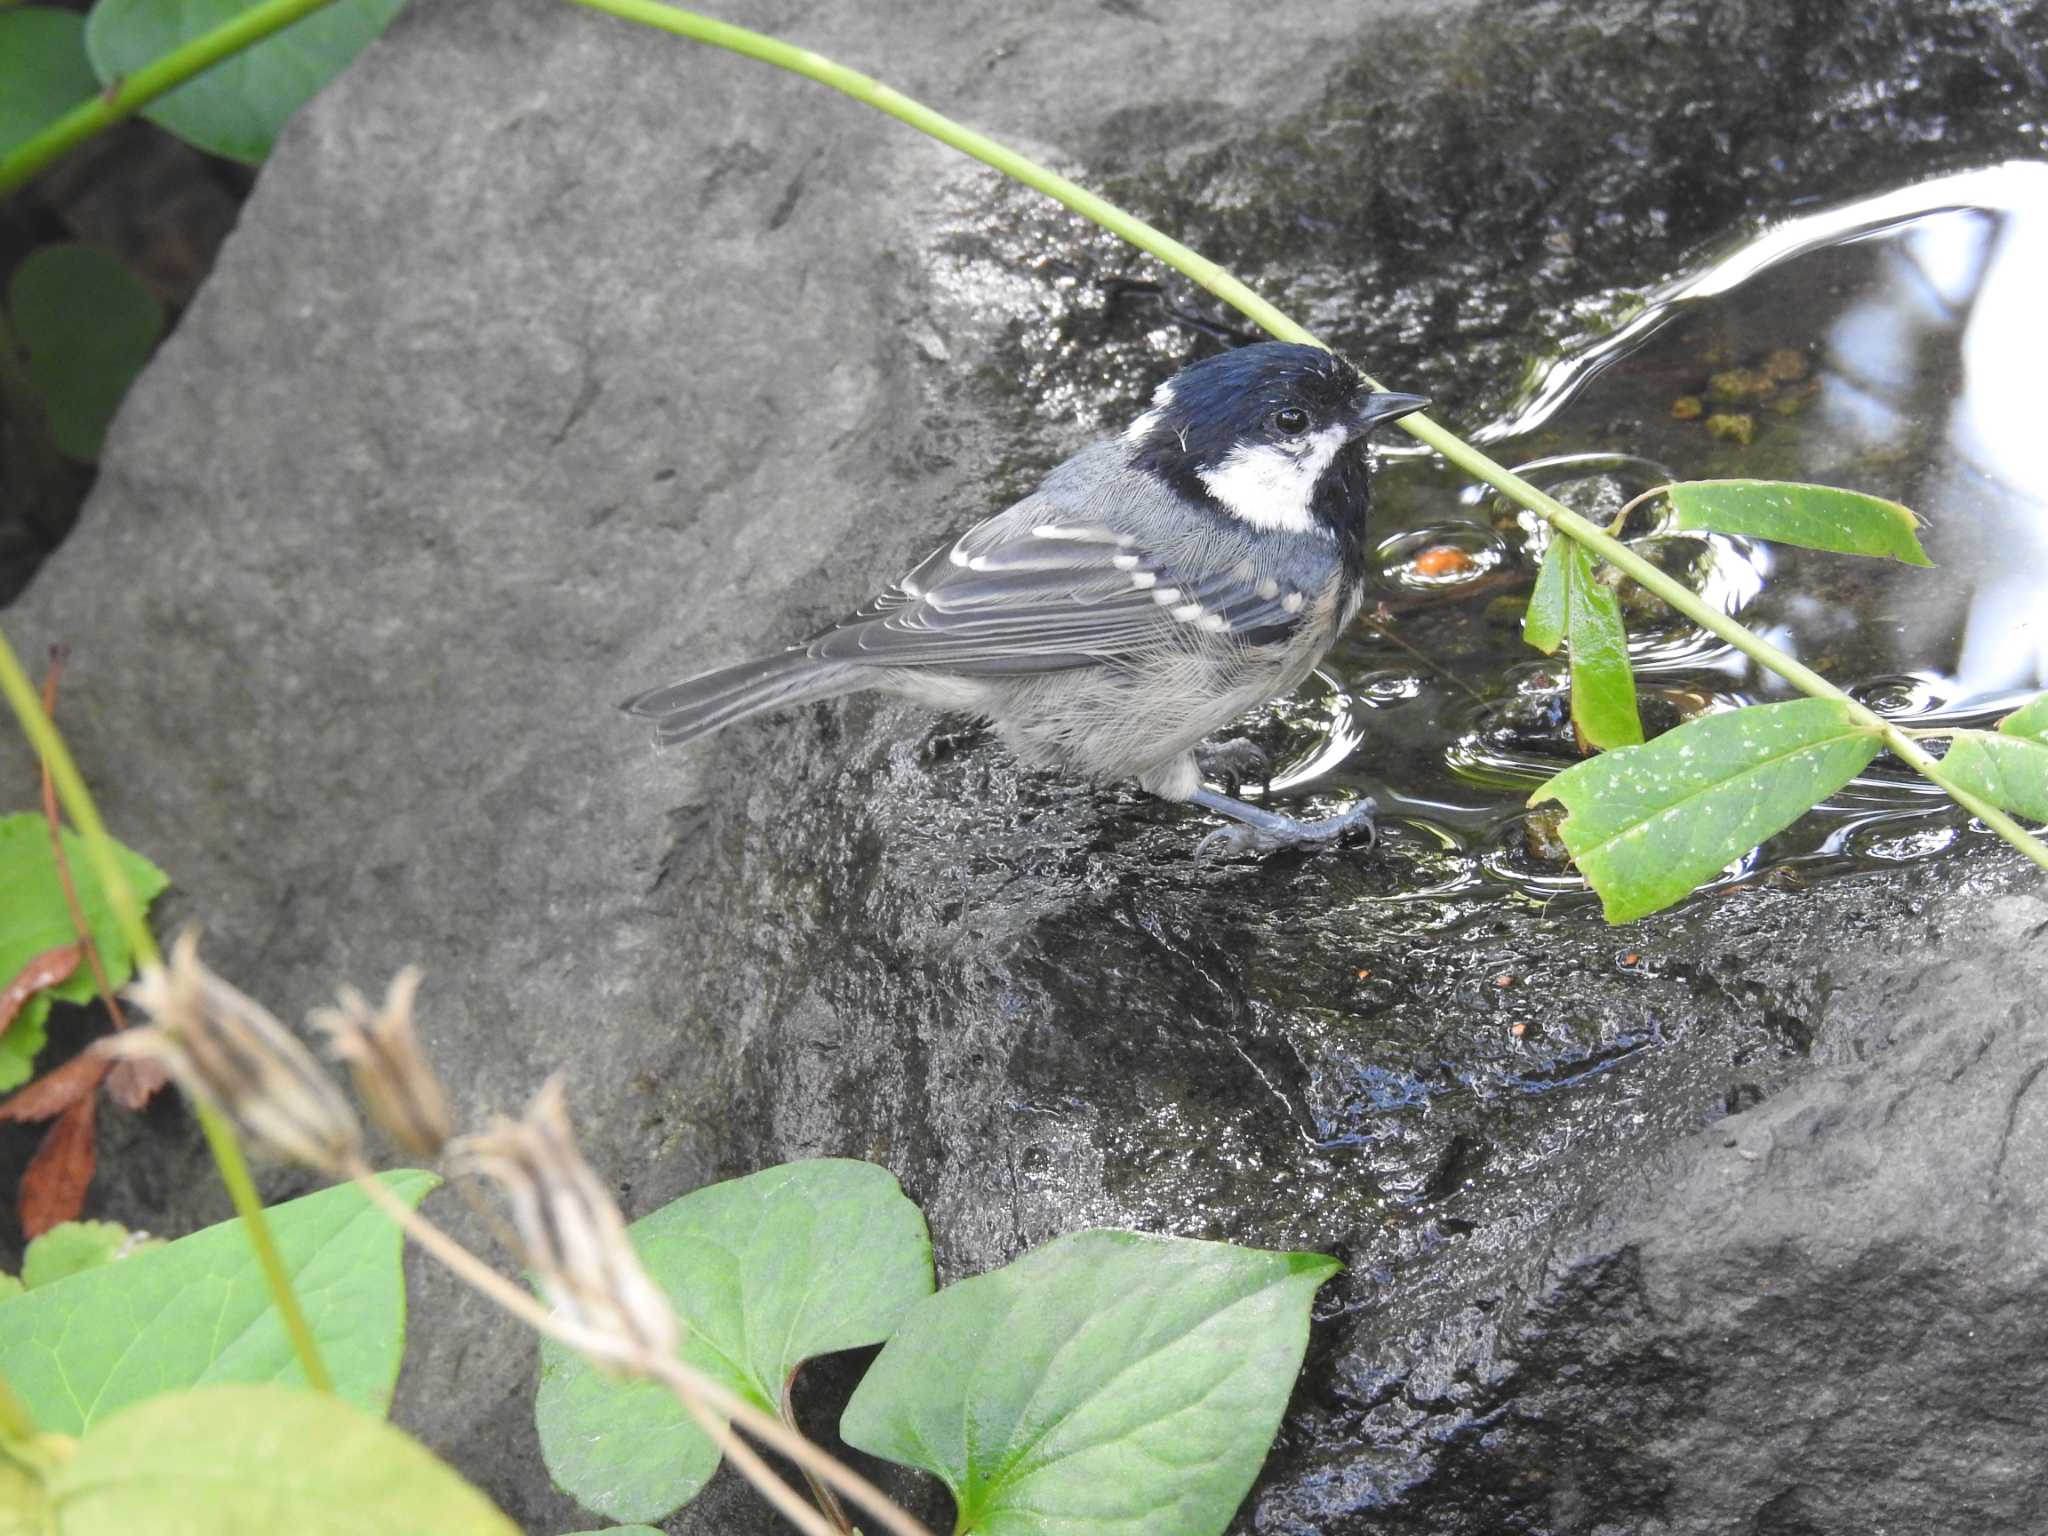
{"x": 552, "y": 359}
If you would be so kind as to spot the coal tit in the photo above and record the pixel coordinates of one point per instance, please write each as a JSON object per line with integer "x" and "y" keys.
{"x": 1152, "y": 589}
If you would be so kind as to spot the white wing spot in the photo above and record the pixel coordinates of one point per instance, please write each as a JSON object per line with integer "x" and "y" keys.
{"x": 1292, "y": 602}
{"x": 1187, "y": 613}
{"x": 1124, "y": 562}
{"x": 1215, "y": 623}
{"x": 1268, "y": 588}
{"x": 1142, "y": 579}
{"x": 1166, "y": 597}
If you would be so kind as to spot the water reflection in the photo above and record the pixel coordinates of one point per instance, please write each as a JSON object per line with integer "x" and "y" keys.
{"x": 1891, "y": 345}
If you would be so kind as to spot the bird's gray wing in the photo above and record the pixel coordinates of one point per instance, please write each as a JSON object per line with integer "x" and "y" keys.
{"x": 1042, "y": 593}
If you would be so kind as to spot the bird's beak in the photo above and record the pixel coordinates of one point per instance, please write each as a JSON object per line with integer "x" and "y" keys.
{"x": 1382, "y": 406}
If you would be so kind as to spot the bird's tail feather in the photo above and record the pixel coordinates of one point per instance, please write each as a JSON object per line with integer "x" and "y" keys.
{"x": 698, "y": 706}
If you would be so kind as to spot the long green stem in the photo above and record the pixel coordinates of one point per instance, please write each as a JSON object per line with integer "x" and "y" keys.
{"x": 99, "y": 848}
{"x": 130, "y": 95}
{"x": 1209, "y": 275}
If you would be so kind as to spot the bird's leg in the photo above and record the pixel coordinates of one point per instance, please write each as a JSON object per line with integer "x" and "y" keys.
{"x": 1259, "y": 830}
{"x": 1236, "y": 763}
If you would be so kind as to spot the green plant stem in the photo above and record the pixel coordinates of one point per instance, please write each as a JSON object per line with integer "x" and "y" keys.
{"x": 1231, "y": 291}
{"x": 129, "y": 95}
{"x": 43, "y": 736}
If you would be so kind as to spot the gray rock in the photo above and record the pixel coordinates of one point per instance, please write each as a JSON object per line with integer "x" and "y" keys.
{"x": 552, "y": 358}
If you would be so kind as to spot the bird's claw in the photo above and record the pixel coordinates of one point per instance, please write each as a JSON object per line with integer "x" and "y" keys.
{"x": 1242, "y": 838}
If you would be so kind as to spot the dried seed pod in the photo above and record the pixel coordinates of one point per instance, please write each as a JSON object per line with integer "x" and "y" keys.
{"x": 571, "y": 1235}
{"x": 226, "y": 1050}
{"x": 392, "y": 1075}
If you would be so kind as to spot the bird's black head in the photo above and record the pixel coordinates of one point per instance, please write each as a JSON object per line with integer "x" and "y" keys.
{"x": 1273, "y": 435}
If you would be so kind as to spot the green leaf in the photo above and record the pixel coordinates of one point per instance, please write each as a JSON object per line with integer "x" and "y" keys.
{"x": 2029, "y": 720}
{"x": 256, "y": 1461}
{"x": 196, "y": 1311}
{"x": 1603, "y": 687}
{"x": 1110, "y": 1382}
{"x": 85, "y": 326}
{"x": 2010, "y": 771}
{"x": 238, "y": 107}
{"x": 72, "y": 1247}
{"x": 1811, "y": 516}
{"x": 1543, "y": 624}
{"x": 34, "y": 918}
{"x": 10, "y": 1285}
{"x": 1649, "y": 824}
{"x": 620, "y": 1530}
{"x": 44, "y": 72}
{"x": 765, "y": 1272}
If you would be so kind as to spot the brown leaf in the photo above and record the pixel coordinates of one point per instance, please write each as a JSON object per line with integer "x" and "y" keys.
{"x": 56, "y": 1091}
{"x": 133, "y": 1083}
{"x": 44, "y": 970}
{"x": 54, "y": 1183}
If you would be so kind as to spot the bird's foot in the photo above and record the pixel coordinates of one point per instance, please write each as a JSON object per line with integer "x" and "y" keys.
{"x": 1235, "y": 763}
{"x": 1261, "y": 831}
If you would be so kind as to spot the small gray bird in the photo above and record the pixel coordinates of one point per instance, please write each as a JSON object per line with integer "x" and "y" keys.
{"x": 1155, "y": 587}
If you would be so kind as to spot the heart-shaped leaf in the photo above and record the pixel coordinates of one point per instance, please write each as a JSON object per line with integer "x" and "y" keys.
{"x": 197, "y": 1311}
{"x": 1811, "y": 516}
{"x": 86, "y": 326}
{"x": 256, "y": 1461}
{"x": 1649, "y": 824}
{"x": 35, "y": 920}
{"x": 764, "y": 1272}
{"x": 1110, "y": 1382}
{"x": 237, "y": 107}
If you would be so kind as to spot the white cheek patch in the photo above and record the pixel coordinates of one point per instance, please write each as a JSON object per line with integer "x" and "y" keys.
{"x": 1269, "y": 486}
{"x": 1139, "y": 430}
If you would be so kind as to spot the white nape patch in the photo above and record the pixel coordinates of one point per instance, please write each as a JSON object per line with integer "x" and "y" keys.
{"x": 1139, "y": 430}
{"x": 1269, "y": 486}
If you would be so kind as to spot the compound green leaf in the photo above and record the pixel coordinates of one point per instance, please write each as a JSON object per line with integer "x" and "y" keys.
{"x": 34, "y": 919}
{"x": 238, "y": 107}
{"x": 2029, "y": 720}
{"x": 1110, "y": 1382}
{"x": 1811, "y": 516}
{"x": 1649, "y": 824}
{"x": 44, "y": 72}
{"x": 196, "y": 1311}
{"x": 1603, "y": 687}
{"x": 764, "y": 1272}
{"x": 257, "y": 1460}
{"x": 2009, "y": 770}
{"x": 1543, "y": 623}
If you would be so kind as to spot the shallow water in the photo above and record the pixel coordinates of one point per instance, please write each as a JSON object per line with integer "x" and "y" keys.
{"x": 1889, "y": 345}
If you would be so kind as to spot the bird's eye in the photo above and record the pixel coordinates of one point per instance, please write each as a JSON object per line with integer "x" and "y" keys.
{"x": 1291, "y": 419}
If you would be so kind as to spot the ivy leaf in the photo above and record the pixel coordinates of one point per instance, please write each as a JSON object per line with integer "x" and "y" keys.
{"x": 1543, "y": 622}
{"x": 764, "y": 1272}
{"x": 2029, "y": 720}
{"x": 86, "y": 326}
{"x": 34, "y": 920}
{"x": 253, "y": 1460}
{"x": 44, "y": 72}
{"x": 196, "y": 1311}
{"x": 1649, "y": 824}
{"x": 1811, "y": 516}
{"x": 1110, "y": 1382}
{"x": 237, "y": 107}
{"x": 2009, "y": 770}
{"x": 1603, "y": 687}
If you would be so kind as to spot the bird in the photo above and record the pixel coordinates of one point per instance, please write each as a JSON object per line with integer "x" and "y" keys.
{"x": 1153, "y": 588}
